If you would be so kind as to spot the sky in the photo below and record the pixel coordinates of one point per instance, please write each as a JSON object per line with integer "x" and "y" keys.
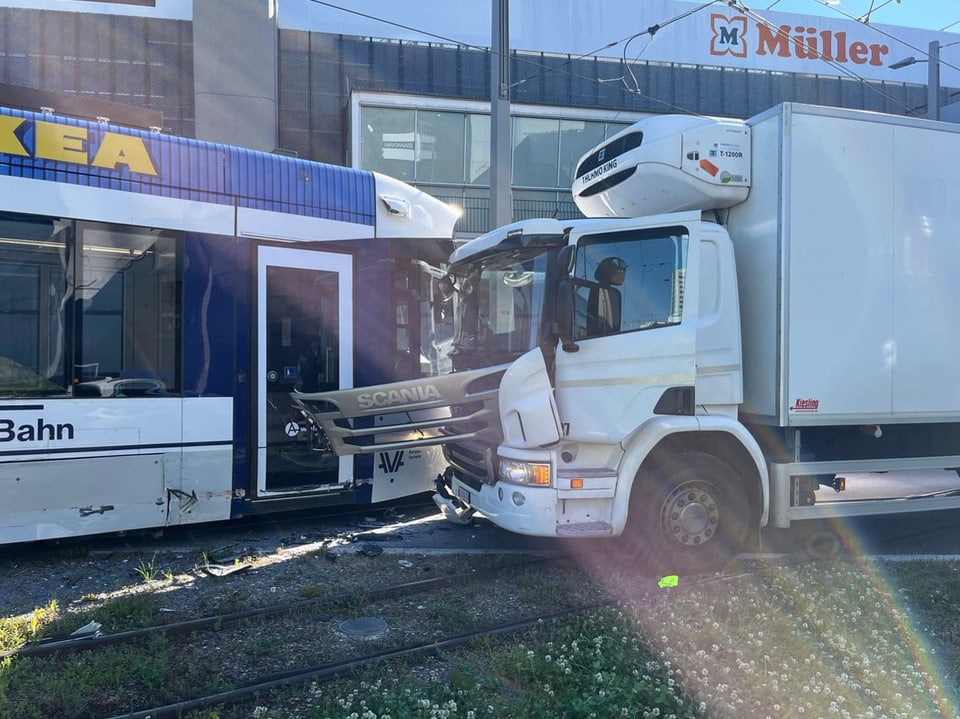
{"x": 926, "y": 14}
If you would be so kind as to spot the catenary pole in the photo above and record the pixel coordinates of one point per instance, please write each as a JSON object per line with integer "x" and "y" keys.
{"x": 501, "y": 156}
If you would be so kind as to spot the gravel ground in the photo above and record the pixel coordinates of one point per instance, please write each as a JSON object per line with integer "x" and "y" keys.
{"x": 203, "y": 573}
{"x": 221, "y": 569}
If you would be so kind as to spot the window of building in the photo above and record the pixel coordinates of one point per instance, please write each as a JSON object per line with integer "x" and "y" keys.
{"x": 478, "y": 149}
{"x": 577, "y": 138}
{"x": 388, "y": 141}
{"x": 536, "y": 151}
{"x": 439, "y": 147}
{"x": 445, "y": 151}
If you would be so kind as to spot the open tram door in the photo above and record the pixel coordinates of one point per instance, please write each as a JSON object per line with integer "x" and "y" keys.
{"x": 304, "y": 344}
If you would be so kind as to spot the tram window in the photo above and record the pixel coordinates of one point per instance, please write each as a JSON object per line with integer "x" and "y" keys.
{"x": 127, "y": 294}
{"x": 87, "y": 309}
{"x": 33, "y": 269}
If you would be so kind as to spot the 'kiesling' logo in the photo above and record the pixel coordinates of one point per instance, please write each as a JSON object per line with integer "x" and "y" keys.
{"x": 802, "y": 42}
{"x": 805, "y": 405}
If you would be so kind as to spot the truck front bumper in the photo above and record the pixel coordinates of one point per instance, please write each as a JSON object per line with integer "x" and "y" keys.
{"x": 534, "y": 511}
{"x": 516, "y": 508}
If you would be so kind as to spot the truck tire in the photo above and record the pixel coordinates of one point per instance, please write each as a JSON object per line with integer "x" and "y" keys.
{"x": 687, "y": 513}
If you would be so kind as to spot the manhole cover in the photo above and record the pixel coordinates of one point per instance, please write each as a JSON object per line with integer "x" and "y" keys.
{"x": 364, "y": 627}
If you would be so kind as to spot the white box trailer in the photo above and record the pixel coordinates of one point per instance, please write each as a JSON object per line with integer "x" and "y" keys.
{"x": 847, "y": 253}
{"x": 846, "y": 249}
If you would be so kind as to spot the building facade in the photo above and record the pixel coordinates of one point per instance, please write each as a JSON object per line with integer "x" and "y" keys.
{"x": 356, "y": 86}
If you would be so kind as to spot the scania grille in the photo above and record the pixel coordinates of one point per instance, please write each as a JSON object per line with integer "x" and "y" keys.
{"x": 417, "y": 413}
{"x": 472, "y": 461}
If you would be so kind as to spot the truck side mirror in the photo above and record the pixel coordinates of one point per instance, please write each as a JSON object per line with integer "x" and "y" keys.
{"x": 565, "y": 260}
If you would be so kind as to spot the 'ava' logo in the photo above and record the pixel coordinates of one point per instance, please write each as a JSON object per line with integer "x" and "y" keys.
{"x": 729, "y": 35}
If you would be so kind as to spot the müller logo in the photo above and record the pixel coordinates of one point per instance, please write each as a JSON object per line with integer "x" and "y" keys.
{"x": 805, "y": 405}
{"x": 731, "y": 37}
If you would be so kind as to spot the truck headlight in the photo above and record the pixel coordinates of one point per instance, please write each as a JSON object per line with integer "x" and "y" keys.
{"x": 524, "y": 472}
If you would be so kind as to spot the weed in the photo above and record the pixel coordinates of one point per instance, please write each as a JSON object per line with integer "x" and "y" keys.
{"x": 73, "y": 551}
{"x": 128, "y": 611}
{"x": 16, "y": 631}
{"x": 264, "y": 646}
{"x": 311, "y": 592}
{"x": 153, "y": 666}
{"x": 149, "y": 570}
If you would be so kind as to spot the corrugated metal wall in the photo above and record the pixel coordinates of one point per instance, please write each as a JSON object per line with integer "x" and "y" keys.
{"x": 149, "y": 63}
{"x": 318, "y": 71}
{"x": 144, "y": 62}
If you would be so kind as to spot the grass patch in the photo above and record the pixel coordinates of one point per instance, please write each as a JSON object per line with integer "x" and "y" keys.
{"x": 833, "y": 639}
{"x": 830, "y": 639}
{"x": 127, "y": 611}
{"x": 17, "y": 631}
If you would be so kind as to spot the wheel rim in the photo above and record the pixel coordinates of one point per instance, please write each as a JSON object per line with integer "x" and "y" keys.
{"x": 690, "y": 515}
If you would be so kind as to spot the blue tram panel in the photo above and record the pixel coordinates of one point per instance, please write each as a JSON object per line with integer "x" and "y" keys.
{"x": 80, "y": 152}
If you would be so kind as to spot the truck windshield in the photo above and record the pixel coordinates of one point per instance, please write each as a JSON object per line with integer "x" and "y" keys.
{"x": 499, "y": 308}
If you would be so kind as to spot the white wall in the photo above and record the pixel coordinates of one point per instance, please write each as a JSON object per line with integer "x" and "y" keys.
{"x": 577, "y": 28}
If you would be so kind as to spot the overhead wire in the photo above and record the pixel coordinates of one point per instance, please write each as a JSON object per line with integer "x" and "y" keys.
{"x": 526, "y": 60}
{"x": 487, "y": 49}
{"x": 865, "y": 20}
{"x": 651, "y": 31}
{"x": 890, "y": 35}
{"x": 392, "y": 23}
{"x": 838, "y": 67}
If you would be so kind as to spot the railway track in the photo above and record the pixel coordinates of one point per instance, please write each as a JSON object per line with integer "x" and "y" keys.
{"x": 244, "y": 650}
{"x": 231, "y": 658}
{"x": 435, "y": 647}
{"x": 254, "y": 650}
{"x": 70, "y": 643}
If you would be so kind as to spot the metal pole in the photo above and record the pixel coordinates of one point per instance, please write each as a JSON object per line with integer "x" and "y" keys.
{"x": 933, "y": 80}
{"x": 501, "y": 155}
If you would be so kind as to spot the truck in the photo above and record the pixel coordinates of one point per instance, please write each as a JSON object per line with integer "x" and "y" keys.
{"x": 750, "y": 312}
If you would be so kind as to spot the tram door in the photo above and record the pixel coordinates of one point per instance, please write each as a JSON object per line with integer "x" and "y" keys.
{"x": 304, "y": 344}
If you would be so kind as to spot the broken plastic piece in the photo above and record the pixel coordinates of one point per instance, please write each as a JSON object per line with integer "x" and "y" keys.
{"x": 88, "y": 631}
{"x": 223, "y": 570}
{"x": 451, "y": 512}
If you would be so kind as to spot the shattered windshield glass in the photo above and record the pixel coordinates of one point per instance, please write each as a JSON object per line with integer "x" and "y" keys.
{"x": 501, "y": 305}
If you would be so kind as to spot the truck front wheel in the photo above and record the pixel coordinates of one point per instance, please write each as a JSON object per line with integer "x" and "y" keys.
{"x": 688, "y": 512}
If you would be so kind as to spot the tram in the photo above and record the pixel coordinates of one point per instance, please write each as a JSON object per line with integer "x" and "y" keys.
{"x": 162, "y": 302}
